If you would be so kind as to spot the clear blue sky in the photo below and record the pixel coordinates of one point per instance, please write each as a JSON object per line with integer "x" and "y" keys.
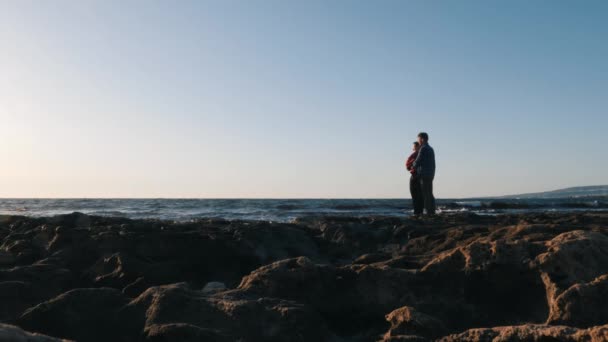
{"x": 300, "y": 98}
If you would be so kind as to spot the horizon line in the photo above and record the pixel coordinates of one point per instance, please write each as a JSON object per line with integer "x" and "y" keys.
{"x": 294, "y": 198}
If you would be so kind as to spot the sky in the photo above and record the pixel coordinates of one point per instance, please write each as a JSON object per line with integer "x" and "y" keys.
{"x": 300, "y": 99}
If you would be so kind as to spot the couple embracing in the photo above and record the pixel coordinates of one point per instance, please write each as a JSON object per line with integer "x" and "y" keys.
{"x": 421, "y": 165}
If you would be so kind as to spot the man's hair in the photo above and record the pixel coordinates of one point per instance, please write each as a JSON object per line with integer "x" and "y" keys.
{"x": 424, "y": 136}
{"x": 416, "y": 143}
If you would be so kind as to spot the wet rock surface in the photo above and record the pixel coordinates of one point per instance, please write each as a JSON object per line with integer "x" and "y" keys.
{"x": 536, "y": 277}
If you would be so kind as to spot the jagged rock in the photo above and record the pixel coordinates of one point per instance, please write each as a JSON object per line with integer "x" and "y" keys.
{"x": 316, "y": 279}
{"x": 366, "y": 293}
{"x": 351, "y": 237}
{"x": 77, "y": 245}
{"x": 269, "y": 243}
{"x": 575, "y": 257}
{"x": 299, "y": 278}
{"x": 7, "y": 258}
{"x": 327, "y": 289}
{"x": 404, "y": 338}
{"x": 409, "y": 322}
{"x": 183, "y": 332}
{"x": 450, "y": 261}
{"x": 37, "y": 282}
{"x": 135, "y": 288}
{"x": 530, "y": 332}
{"x": 15, "y": 296}
{"x": 117, "y": 270}
{"x": 581, "y": 305}
{"x": 371, "y": 258}
{"x": 15, "y": 334}
{"x": 83, "y": 315}
{"x": 176, "y": 310}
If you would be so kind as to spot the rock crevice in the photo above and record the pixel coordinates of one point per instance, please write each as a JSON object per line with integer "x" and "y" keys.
{"x": 534, "y": 277}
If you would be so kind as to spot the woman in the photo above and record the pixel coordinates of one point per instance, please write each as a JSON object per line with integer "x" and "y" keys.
{"x": 415, "y": 189}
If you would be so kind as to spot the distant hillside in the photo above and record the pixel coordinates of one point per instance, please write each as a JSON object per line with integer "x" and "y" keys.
{"x": 578, "y": 191}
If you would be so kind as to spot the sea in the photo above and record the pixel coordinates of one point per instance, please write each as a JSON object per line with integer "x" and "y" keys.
{"x": 286, "y": 210}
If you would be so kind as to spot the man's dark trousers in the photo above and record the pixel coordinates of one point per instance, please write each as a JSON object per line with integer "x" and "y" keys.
{"x": 416, "y": 192}
{"x": 426, "y": 187}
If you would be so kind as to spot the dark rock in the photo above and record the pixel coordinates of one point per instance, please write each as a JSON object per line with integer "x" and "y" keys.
{"x": 581, "y": 305}
{"x": 575, "y": 257}
{"x": 182, "y": 332}
{"x": 39, "y": 281}
{"x": 371, "y": 258}
{"x": 16, "y": 296}
{"x": 407, "y": 321}
{"x": 135, "y": 288}
{"x": 330, "y": 278}
{"x": 176, "y": 310}
{"x": 16, "y": 334}
{"x": 83, "y": 315}
{"x": 116, "y": 270}
{"x": 270, "y": 242}
{"x": 530, "y": 332}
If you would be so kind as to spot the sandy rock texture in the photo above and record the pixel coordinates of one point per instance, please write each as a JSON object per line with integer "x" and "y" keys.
{"x": 529, "y": 277}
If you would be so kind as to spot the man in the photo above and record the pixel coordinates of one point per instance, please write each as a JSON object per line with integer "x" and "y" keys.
{"x": 415, "y": 190}
{"x": 425, "y": 172}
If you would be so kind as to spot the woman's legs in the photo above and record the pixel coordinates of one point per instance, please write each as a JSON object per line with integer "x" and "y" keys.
{"x": 416, "y": 192}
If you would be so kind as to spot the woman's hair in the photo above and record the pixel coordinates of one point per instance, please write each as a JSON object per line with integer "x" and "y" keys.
{"x": 416, "y": 143}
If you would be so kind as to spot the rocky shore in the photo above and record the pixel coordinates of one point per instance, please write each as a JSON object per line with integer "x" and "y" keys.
{"x": 532, "y": 277}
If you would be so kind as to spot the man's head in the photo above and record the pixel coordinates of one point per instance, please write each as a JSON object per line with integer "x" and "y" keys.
{"x": 423, "y": 138}
{"x": 416, "y": 146}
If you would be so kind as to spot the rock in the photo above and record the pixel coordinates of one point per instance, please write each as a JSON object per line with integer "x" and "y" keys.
{"x": 43, "y": 281}
{"x": 77, "y": 245}
{"x": 177, "y": 310}
{"x": 20, "y": 248}
{"x": 16, "y": 334}
{"x": 529, "y": 332}
{"x": 182, "y": 332}
{"x": 270, "y": 243}
{"x": 136, "y": 288}
{"x": 214, "y": 286}
{"x": 404, "y": 338}
{"x": 83, "y": 315}
{"x": 333, "y": 278}
{"x": 575, "y": 257}
{"x": 451, "y": 261}
{"x": 16, "y": 296}
{"x": 298, "y": 278}
{"x": 7, "y": 258}
{"x": 350, "y": 237}
{"x": 190, "y": 256}
{"x": 407, "y": 321}
{"x": 350, "y": 295}
{"x": 371, "y": 258}
{"x": 117, "y": 270}
{"x": 581, "y": 305}
{"x": 327, "y": 289}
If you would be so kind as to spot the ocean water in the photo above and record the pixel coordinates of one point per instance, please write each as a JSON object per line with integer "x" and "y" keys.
{"x": 284, "y": 210}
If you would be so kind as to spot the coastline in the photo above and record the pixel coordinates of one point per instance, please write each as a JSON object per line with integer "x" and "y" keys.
{"x": 287, "y": 210}
{"x": 92, "y": 278}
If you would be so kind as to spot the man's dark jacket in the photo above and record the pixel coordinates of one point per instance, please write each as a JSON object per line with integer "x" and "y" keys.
{"x": 425, "y": 162}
